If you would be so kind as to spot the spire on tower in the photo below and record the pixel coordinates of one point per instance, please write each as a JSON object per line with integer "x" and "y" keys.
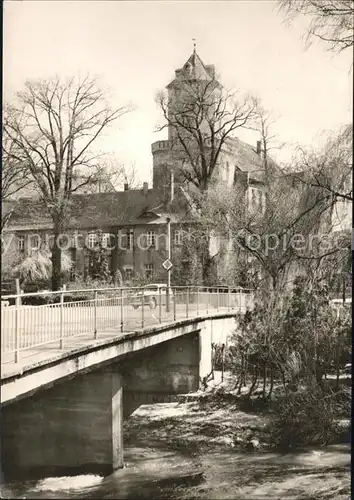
{"x": 194, "y": 69}
{"x": 194, "y": 45}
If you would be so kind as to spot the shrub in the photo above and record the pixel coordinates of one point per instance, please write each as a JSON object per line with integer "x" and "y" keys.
{"x": 91, "y": 283}
{"x": 303, "y": 418}
{"x": 43, "y": 299}
{"x": 37, "y": 266}
{"x": 229, "y": 357}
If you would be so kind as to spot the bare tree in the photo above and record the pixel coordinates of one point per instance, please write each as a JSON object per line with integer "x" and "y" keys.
{"x": 53, "y": 129}
{"x": 275, "y": 229}
{"x": 111, "y": 175}
{"x": 330, "y": 169}
{"x": 14, "y": 176}
{"x": 202, "y": 122}
{"x": 264, "y": 122}
{"x": 299, "y": 206}
{"x": 331, "y": 20}
{"x": 202, "y": 119}
{"x": 275, "y": 234}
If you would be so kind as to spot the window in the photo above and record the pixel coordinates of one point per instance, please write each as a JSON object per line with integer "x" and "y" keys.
{"x": 178, "y": 237}
{"x": 73, "y": 264}
{"x": 34, "y": 242}
{"x": 253, "y": 198}
{"x": 151, "y": 238}
{"x": 49, "y": 240}
{"x": 86, "y": 266}
{"x": 128, "y": 272}
{"x": 262, "y": 201}
{"x": 130, "y": 239}
{"x": 105, "y": 240}
{"x": 21, "y": 243}
{"x": 91, "y": 240}
{"x": 257, "y": 201}
{"x": 149, "y": 271}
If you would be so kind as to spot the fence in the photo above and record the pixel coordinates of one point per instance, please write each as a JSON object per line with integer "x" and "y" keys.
{"x": 39, "y": 319}
{"x": 339, "y": 305}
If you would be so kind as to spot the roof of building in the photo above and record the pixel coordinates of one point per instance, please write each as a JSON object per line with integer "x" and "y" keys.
{"x": 31, "y": 190}
{"x": 98, "y": 210}
{"x": 195, "y": 69}
{"x": 246, "y": 157}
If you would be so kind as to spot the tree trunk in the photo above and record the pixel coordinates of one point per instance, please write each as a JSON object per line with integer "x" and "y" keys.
{"x": 56, "y": 255}
{"x": 236, "y": 385}
{"x": 282, "y": 375}
{"x": 337, "y": 368}
{"x": 343, "y": 290}
{"x": 208, "y": 270}
{"x": 241, "y": 374}
{"x": 56, "y": 268}
{"x": 319, "y": 375}
{"x": 254, "y": 382}
{"x": 264, "y": 379}
{"x": 271, "y": 383}
{"x": 245, "y": 371}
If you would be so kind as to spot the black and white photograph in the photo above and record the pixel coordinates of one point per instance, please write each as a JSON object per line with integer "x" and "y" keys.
{"x": 176, "y": 249}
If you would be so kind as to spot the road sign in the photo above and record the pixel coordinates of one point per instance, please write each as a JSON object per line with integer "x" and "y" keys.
{"x": 167, "y": 264}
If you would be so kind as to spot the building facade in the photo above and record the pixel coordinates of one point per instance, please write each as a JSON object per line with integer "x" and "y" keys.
{"x": 130, "y": 226}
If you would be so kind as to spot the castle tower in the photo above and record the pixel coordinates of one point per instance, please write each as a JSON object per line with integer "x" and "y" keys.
{"x": 194, "y": 80}
{"x": 194, "y": 77}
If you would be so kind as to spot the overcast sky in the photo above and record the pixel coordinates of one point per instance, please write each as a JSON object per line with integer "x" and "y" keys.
{"x": 136, "y": 46}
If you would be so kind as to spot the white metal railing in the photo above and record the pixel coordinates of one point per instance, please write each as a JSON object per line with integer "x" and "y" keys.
{"x": 339, "y": 305}
{"x": 48, "y": 319}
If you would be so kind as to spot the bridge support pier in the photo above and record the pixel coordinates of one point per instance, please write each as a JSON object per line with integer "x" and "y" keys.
{"x": 205, "y": 350}
{"x": 75, "y": 426}
{"x": 175, "y": 367}
{"x": 161, "y": 371}
{"x": 72, "y": 428}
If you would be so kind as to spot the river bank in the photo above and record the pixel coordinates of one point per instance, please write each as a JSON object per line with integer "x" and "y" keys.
{"x": 197, "y": 448}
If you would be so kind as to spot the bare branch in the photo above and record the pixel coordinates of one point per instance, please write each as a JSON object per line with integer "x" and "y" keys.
{"x": 331, "y": 21}
{"x": 52, "y": 132}
{"x": 202, "y": 121}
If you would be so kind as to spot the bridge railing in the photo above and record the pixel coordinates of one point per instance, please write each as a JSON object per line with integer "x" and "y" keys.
{"x": 48, "y": 320}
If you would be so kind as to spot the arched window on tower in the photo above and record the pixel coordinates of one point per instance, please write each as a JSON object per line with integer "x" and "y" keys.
{"x": 188, "y": 68}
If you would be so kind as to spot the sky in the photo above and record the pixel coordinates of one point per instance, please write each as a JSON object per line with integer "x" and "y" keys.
{"x": 135, "y": 46}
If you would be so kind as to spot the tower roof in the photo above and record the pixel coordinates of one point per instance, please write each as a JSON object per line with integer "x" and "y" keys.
{"x": 195, "y": 69}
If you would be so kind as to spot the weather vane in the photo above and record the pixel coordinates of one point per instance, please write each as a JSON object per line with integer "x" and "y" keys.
{"x": 194, "y": 43}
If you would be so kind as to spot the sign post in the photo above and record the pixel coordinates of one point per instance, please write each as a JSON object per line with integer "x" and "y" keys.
{"x": 167, "y": 264}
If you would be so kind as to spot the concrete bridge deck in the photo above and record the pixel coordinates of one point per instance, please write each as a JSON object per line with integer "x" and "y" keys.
{"x": 62, "y": 410}
{"x": 67, "y": 385}
{"x": 32, "y": 356}
{"x": 45, "y": 364}
{"x": 31, "y": 332}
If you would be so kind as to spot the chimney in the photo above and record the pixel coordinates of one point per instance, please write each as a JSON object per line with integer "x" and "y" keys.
{"x": 145, "y": 187}
{"x": 259, "y": 147}
{"x": 126, "y": 186}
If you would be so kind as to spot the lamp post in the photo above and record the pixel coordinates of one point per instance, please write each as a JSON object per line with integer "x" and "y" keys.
{"x": 168, "y": 221}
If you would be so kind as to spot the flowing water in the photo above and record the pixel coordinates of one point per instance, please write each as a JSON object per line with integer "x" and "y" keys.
{"x": 184, "y": 451}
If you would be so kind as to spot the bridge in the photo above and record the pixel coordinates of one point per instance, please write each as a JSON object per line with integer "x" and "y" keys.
{"x": 72, "y": 370}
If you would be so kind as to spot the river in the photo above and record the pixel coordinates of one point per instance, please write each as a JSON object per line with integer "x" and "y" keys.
{"x": 185, "y": 450}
